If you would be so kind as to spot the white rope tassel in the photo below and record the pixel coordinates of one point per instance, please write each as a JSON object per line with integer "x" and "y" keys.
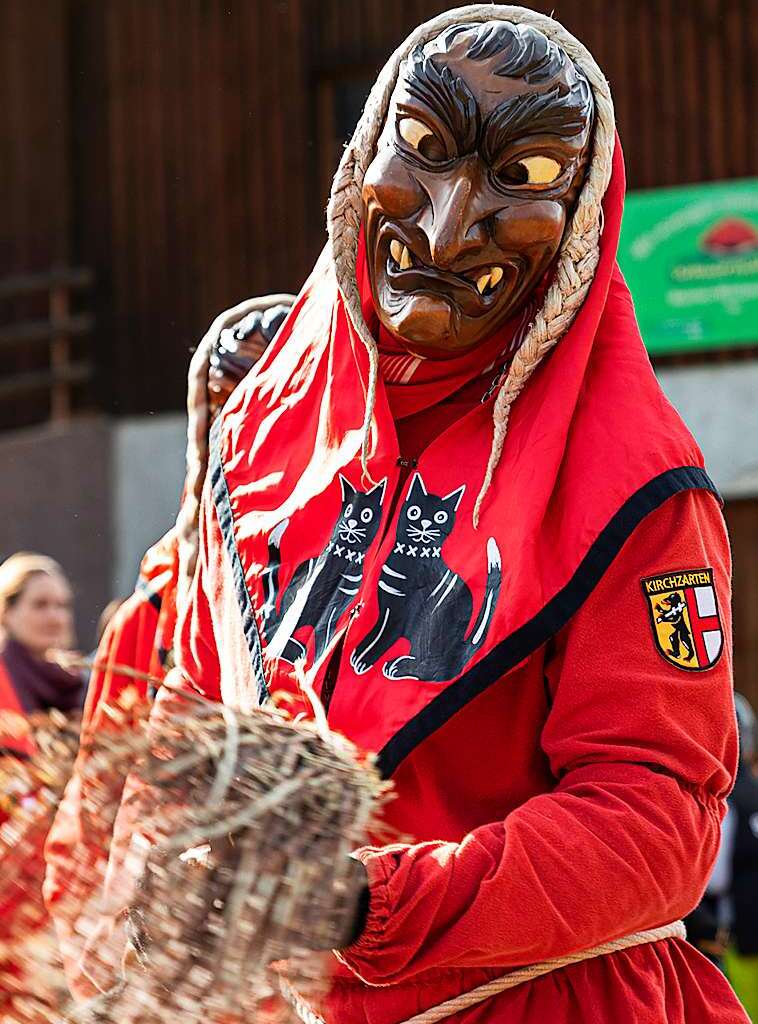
{"x": 504, "y": 982}
{"x": 577, "y": 258}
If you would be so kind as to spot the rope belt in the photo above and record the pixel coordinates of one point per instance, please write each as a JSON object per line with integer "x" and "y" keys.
{"x": 505, "y": 981}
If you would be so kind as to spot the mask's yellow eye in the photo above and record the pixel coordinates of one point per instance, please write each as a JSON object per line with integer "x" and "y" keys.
{"x": 531, "y": 170}
{"x": 414, "y": 132}
{"x": 540, "y": 170}
{"x": 422, "y": 139}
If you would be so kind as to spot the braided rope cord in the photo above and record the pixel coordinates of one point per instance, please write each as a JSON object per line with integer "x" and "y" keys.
{"x": 477, "y": 995}
{"x": 579, "y": 252}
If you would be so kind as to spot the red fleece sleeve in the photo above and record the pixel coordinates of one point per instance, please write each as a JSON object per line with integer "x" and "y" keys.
{"x": 643, "y": 753}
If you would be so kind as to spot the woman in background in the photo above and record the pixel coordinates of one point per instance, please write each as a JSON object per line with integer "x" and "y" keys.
{"x": 36, "y": 622}
{"x": 36, "y": 619}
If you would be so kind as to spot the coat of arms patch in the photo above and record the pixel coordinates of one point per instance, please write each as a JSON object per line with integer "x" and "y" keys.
{"x": 685, "y": 617}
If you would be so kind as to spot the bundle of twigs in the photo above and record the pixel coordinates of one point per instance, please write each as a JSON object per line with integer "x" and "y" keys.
{"x": 32, "y": 985}
{"x": 245, "y": 824}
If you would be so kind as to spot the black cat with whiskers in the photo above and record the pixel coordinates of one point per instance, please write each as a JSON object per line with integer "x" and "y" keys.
{"x": 422, "y": 601}
{"x": 321, "y": 588}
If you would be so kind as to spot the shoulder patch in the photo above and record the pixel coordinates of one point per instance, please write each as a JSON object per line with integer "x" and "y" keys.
{"x": 685, "y": 620}
{"x": 684, "y": 614}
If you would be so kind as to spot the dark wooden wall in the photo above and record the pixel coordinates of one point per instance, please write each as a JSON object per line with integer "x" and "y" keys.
{"x": 35, "y": 175}
{"x": 190, "y": 193}
{"x": 182, "y": 148}
{"x": 34, "y": 135}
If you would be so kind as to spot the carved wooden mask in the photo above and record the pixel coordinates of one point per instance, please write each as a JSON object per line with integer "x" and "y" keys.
{"x": 479, "y": 163}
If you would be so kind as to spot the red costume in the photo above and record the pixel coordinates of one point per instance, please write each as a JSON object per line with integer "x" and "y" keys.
{"x": 563, "y": 785}
{"x": 12, "y": 740}
{"x": 560, "y": 778}
{"x": 31, "y": 981}
{"x": 131, "y": 662}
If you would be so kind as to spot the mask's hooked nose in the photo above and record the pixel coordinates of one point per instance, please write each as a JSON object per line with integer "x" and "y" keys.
{"x": 453, "y": 221}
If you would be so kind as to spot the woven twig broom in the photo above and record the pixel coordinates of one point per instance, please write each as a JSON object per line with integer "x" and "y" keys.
{"x": 246, "y": 823}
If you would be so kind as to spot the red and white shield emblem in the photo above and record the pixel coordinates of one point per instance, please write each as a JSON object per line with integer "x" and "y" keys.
{"x": 685, "y": 618}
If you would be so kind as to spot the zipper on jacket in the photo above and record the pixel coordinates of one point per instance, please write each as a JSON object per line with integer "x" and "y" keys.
{"x": 399, "y": 490}
{"x": 333, "y": 668}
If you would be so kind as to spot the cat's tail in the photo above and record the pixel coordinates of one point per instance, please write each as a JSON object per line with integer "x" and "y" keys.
{"x": 270, "y": 576}
{"x": 491, "y": 594}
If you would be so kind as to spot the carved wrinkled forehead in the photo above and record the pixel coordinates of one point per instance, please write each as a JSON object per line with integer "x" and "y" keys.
{"x": 556, "y": 98}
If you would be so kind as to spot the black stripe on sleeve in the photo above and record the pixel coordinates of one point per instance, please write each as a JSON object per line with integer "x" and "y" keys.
{"x": 547, "y": 622}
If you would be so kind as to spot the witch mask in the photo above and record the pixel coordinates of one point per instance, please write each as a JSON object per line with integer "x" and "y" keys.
{"x": 477, "y": 169}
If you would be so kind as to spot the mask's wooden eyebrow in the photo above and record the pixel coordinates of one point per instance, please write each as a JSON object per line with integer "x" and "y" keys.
{"x": 555, "y": 112}
{"x": 447, "y": 97}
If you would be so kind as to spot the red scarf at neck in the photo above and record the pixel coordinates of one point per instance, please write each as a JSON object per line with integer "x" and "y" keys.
{"x": 413, "y": 383}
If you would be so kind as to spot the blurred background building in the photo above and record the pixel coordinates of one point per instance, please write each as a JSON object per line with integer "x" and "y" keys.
{"x": 162, "y": 159}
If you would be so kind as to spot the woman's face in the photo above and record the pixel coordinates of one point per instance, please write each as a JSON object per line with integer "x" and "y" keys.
{"x": 41, "y": 617}
{"x": 468, "y": 196}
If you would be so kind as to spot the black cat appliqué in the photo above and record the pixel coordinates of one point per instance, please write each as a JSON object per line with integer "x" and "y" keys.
{"x": 321, "y": 588}
{"x": 424, "y": 601}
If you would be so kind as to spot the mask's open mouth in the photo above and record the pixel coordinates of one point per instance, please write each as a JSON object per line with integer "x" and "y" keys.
{"x": 486, "y": 277}
{"x": 475, "y": 289}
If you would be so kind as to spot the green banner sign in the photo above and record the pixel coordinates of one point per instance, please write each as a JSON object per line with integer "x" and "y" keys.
{"x": 690, "y": 257}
